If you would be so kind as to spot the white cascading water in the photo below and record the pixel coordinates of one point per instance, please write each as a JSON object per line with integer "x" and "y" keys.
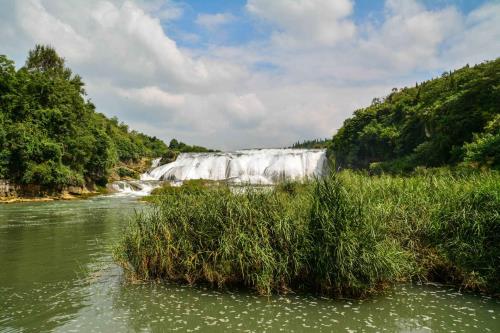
{"x": 253, "y": 166}
{"x": 134, "y": 187}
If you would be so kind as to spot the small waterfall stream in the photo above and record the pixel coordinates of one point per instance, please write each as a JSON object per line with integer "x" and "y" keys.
{"x": 252, "y": 166}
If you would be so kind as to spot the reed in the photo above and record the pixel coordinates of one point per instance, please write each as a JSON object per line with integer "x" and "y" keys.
{"x": 347, "y": 234}
{"x": 448, "y": 222}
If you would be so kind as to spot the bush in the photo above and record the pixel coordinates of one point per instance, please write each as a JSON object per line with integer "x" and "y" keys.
{"x": 51, "y": 174}
{"x": 126, "y": 172}
{"x": 485, "y": 148}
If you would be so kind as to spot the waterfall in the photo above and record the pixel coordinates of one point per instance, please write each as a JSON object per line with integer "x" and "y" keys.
{"x": 253, "y": 166}
{"x": 134, "y": 187}
{"x": 155, "y": 162}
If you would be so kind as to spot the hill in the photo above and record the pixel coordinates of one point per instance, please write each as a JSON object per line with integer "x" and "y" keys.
{"x": 52, "y": 136}
{"x": 445, "y": 121}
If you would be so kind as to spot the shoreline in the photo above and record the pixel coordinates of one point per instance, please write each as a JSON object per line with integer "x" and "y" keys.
{"x": 61, "y": 197}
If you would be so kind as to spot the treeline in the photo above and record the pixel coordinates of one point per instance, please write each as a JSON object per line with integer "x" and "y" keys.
{"x": 50, "y": 133}
{"x": 312, "y": 144}
{"x": 181, "y": 147}
{"x": 451, "y": 120}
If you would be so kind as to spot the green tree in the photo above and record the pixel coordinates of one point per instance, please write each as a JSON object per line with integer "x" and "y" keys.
{"x": 430, "y": 124}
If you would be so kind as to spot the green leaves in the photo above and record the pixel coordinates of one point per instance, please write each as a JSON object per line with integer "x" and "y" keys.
{"x": 427, "y": 125}
{"x": 50, "y": 135}
{"x": 485, "y": 148}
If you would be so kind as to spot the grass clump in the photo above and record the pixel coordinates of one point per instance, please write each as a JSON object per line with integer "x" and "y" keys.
{"x": 447, "y": 221}
{"x": 347, "y": 234}
{"x": 218, "y": 237}
{"x": 303, "y": 236}
{"x": 351, "y": 254}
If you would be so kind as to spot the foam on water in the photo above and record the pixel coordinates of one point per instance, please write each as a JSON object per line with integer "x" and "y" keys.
{"x": 138, "y": 188}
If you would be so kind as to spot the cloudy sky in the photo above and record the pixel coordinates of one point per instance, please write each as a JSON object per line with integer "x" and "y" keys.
{"x": 249, "y": 73}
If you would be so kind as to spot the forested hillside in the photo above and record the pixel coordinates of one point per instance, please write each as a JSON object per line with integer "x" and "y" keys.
{"x": 51, "y": 134}
{"x": 445, "y": 121}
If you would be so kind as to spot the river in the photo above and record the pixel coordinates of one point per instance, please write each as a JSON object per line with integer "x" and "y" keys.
{"x": 57, "y": 274}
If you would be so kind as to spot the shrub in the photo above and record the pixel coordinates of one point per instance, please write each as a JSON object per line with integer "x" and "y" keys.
{"x": 126, "y": 172}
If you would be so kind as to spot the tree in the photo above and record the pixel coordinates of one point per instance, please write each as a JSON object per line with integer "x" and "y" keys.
{"x": 438, "y": 122}
{"x": 50, "y": 135}
{"x": 173, "y": 144}
{"x": 44, "y": 59}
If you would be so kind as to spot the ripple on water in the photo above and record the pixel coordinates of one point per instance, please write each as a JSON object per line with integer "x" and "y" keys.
{"x": 57, "y": 274}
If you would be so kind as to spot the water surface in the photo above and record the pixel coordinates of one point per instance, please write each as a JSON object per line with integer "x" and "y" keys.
{"x": 57, "y": 274}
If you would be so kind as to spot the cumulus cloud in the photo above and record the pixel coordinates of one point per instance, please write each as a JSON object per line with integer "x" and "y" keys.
{"x": 303, "y": 21}
{"x": 44, "y": 27}
{"x": 411, "y": 36}
{"x": 478, "y": 39}
{"x": 119, "y": 41}
{"x": 310, "y": 66}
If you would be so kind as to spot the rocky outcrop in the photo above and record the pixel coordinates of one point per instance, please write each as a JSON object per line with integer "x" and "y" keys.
{"x": 8, "y": 190}
{"x": 20, "y": 192}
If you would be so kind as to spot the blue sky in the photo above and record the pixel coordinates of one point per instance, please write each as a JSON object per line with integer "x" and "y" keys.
{"x": 249, "y": 73}
{"x": 244, "y": 28}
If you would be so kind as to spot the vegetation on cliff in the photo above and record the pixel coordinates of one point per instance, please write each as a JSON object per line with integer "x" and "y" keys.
{"x": 445, "y": 121}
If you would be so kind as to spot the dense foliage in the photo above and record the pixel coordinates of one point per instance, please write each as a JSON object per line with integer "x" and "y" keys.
{"x": 444, "y": 121}
{"x": 181, "y": 147}
{"x": 346, "y": 234}
{"x": 176, "y": 147}
{"x": 50, "y": 134}
{"x": 312, "y": 144}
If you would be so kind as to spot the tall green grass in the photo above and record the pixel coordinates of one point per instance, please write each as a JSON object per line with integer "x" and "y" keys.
{"x": 448, "y": 222}
{"x": 347, "y": 234}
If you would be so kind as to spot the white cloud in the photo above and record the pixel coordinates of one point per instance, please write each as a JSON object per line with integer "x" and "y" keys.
{"x": 304, "y": 21}
{"x": 213, "y": 21}
{"x": 323, "y": 65}
{"x": 153, "y": 96}
{"x": 47, "y": 29}
{"x": 479, "y": 39}
{"x": 411, "y": 36}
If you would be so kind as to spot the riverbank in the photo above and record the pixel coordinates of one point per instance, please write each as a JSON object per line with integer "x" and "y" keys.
{"x": 62, "y": 196}
{"x": 12, "y": 193}
{"x": 346, "y": 235}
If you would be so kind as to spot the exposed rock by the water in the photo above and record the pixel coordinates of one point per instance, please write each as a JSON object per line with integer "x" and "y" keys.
{"x": 7, "y": 189}
{"x": 12, "y": 192}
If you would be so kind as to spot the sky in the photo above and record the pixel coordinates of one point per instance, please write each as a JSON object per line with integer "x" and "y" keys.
{"x": 231, "y": 74}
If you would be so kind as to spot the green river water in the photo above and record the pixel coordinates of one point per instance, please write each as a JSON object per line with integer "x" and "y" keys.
{"x": 57, "y": 274}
